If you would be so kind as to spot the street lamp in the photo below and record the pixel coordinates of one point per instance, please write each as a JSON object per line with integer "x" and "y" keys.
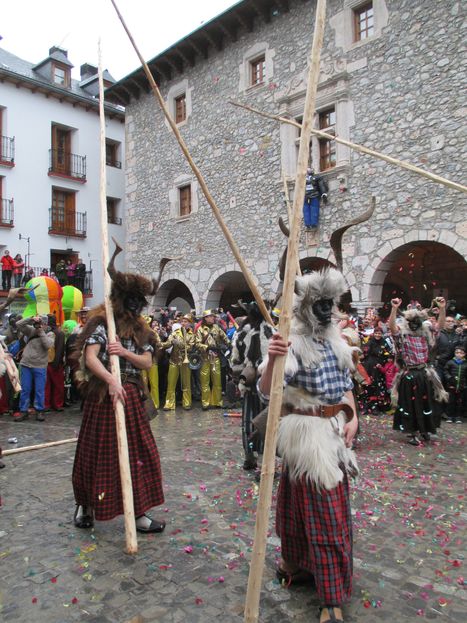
{"x": 28, "y": 254}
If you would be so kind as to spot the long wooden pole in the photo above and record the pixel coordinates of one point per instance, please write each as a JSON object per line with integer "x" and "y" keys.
{"x": 267, "y": 471}
{"x": 231, "y": 242}
{"x": 39, "y": 446}
{"x": 364, "y": 150}
{"x": 122, "y": 441}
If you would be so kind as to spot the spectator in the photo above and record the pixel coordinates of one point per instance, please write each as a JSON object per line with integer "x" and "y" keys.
{"x": 8, "y": 265}
{"x": 70, "y": 272}
{"x": 456, "y": 381}
{"x": 34, "y": 365}
{"x": 28, "y": 275}
{"x": 18, "y": 269}
{"x": 80, "y": 274}
{"x": 55, "y": 383}
{"x": 60, "y": 271}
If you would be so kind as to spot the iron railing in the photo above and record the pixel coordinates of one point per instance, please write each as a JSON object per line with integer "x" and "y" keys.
{"x": 114, "y": 220}
{"x": 7, "y": 147}
{"x": 39, "y": 272}
{"x": 64, "y": 163}
{"x": 111, "y": 162}
{"x": 7, "y": 213}
{"x": 65, "y": 223}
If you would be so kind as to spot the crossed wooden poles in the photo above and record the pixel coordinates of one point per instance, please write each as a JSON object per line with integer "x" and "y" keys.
{"x": 264, "y": 502}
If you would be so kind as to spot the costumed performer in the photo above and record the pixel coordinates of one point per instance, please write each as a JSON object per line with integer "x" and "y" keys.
{"x": 210, "y": 340}
{"x": 96, "y": 474}
{"x": 182, "y": 341}
{"x": 313, "y": 517}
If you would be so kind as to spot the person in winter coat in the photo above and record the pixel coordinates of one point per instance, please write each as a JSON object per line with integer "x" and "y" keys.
{"x": 455, "y": 374}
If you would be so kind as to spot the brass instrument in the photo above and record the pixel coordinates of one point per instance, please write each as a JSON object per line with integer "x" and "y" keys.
{"x": 186, "y": 360}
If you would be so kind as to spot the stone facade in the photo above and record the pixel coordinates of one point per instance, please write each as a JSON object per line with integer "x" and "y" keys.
{"x": 400, "y": 92}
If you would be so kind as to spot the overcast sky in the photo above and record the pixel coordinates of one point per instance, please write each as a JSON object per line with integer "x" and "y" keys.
{"x": 30, "y": 27}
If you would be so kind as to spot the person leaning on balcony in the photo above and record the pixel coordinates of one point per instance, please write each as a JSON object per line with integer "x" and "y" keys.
{"x": 70, "y": 272}
{"x": 60, "y": 271}
{"x": 8, "y": 265}
{"x": 80, "y": 273}
{"x": 18, "y": 269}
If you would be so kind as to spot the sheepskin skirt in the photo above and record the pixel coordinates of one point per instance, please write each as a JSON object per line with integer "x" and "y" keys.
{"x": 96, "y": 475}
{"x": 315, "y": 528}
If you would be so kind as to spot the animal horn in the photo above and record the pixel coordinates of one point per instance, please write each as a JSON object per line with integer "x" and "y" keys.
{"x": 156, "y": 280}
{"x": 286, "y": 231}
{"x": 336, "y": 236}
{"x": 111, "y": 267}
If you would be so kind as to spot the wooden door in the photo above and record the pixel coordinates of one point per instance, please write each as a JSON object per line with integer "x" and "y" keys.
{"x": 61, "y": 146}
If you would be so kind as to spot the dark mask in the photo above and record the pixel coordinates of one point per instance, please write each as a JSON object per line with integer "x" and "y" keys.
{"x": 322, "y": 309}
{"x": 415, "y": 324}
{"x": 134, "y": 304}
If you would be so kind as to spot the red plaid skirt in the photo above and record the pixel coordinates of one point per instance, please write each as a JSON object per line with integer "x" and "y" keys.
{"x": 96, "y": 474}
{"x": 315, "y": 528}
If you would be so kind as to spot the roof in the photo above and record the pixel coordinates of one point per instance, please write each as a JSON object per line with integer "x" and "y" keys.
{"x": 23, "y": 73}
{"x": 211, "y": 37}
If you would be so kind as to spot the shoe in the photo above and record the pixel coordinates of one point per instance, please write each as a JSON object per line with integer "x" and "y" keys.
{"x": 187, "y": 408}
{"x": 40, "y": 417}
{"x": 83, "y": 517}
{"x": 449, "y": 421}
{"x": 413, "y": 441}
{"x": 458, "y": 421}
{"x": 250, "y": 462}
{"x": 425, "y": 436}
{"x": 154, "y": 526}
{"x": 205, "y": 408}
{"x": 332, "y": 614}
{"x": 59, "y": 410}
{"x": 19, "y": 416}
{"x": 297, "y": 577}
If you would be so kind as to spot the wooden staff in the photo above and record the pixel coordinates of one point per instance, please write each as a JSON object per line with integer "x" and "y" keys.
{"x": 40, "y": 446}
{"x": 364, "y": 150}
{"x": 122, "y": 441}
{"x": 199, "y": 177}
{"x": 269, "y": 457}
{"x": 10, "y": 366}
{"x": 289, "y": 213}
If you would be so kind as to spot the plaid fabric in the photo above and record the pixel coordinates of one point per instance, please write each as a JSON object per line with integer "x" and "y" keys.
{"x": 413, "y": 349}
{"x": 327, "y": 381}
{"x": 315, "y": 528}
{"x": 100, "y": 337}
{"x": 96, "y": 475}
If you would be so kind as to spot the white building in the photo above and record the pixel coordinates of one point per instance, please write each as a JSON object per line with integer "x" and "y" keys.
{"x": 49, "y": 165}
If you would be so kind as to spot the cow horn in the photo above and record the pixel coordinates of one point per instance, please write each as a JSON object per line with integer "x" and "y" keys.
{"x": 156, "y": 280}
{"x": 111, "y": 267}
{"x": 336, "y": 237}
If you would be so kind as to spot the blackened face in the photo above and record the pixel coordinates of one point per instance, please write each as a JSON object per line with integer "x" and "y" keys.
{"x": 322, "y": 309}
{"x": 134, "y": 304}
{"x": 415, "y": 324}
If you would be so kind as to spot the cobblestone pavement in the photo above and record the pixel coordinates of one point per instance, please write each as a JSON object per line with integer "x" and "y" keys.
{"x": 409, "y": 525}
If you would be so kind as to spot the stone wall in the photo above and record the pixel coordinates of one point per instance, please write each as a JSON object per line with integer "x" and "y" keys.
{"x": 400, "y": 92}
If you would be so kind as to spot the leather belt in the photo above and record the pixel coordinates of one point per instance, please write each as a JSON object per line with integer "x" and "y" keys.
{"x": 325, "y": 411}
{"x": 416, "y": 366}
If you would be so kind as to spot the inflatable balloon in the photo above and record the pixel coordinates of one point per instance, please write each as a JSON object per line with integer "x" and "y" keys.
{"x": 45, "y": 299}
{"x": 72, "y": 302}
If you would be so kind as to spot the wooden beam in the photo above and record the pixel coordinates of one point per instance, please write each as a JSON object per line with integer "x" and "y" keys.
{"x": 229, "y": 31}
{"x": 188, "y": 60}
{"x": 246, "y": 22}
{"x": 201, "y": 50}
{"x": 218, "y": 45}
{"x": 175, "y": 63}
{"x": 263, "y": 11}
{"x": 164, "y": 71}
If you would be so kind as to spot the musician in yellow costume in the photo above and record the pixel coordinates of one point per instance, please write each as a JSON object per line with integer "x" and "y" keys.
{"x": 151, "y": 376}
{"x": 211, "y": 339}
{"x": 182, "y": 342}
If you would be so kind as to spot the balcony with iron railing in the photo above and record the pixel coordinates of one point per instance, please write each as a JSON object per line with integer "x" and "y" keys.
{"x": 7, "y": 151}
{"x": 7, "y": 213}
{"x": 42, "y": 271}
{"x": 65, "y": 164}
{"x": 114, "y": 220}
{"x": 111, "y": 162}
{"x": 62, "y": 223}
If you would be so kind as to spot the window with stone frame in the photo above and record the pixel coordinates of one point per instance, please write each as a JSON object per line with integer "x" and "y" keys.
{"x": 184, "y": 200}
{"x": 111, "y": 154}
{"x": 327, "y": 147}
{"x": 258, "y": 70}
{"x": 112, "y": 211}
{"x": 363, "y": 21}
{"x": 61, "y": 75}
{"x": 180, "y": 108}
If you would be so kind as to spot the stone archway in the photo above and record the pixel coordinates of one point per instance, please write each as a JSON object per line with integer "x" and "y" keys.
{"x": 421, "y": 270}
{"x": 174, "y": 293}
{"x": 227, "y": 289}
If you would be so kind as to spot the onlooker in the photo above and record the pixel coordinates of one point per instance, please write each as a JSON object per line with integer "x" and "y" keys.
{"x": 28, "y": 275}
{"x": 8, "y": 264}
{"x": 34, "y": 365}
{"x": 70, "y": 272}
{"x": 18, "y": 269}
{"x": 456, "y": 381}
{"x": 448, "y": 340}
{"x": 55, "y": 384}
{"x": 80, "y": 274}
{"x": 60, "y": 271}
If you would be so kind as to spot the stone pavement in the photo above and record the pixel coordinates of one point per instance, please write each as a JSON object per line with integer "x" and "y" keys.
{"x": 409, "y": 526}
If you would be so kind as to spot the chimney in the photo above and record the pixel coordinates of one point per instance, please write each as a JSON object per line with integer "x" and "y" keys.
{"x": 87, "y": 70}
{"x": 56, "y": 48}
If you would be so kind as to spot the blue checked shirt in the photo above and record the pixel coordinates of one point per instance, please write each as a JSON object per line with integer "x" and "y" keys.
{"x": 100, "y": 337}
{"x": 327, "y": 380}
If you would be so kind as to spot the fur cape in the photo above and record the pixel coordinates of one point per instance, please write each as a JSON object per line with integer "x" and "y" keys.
{"x": 314, "y": 447}
{"x": 123, "y": 285}
{"x": 138, "y": 330}
{"x": 248, "y": 351}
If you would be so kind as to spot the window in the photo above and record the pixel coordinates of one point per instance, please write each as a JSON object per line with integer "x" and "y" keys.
{"x": 60, "y": 75}
{"x": 61, "y": 148}
{"x": 327, "y": 148}
{"x": 180, "y": 108}
{"x": 257, "y": 70}
{"x": 111, "y": 154}
{"x": 112, "y": 211}
{"x": 184, "y": 199}
{"x": 363, "y": 21}
{"x": 63, "y": 211}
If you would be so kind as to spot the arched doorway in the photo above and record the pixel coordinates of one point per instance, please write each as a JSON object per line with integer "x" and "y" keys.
{"x": 174, "y": 293}
{"x": 226, "y": 290}
{"x": 420, "y": 271}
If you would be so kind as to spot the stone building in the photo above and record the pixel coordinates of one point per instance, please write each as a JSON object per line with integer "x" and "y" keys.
{"x": 392, "y": 79}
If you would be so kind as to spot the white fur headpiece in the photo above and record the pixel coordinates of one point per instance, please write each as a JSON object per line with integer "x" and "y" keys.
{"x": 324, "y": 284}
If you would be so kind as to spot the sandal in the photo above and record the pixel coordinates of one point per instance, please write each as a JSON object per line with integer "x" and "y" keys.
{"x": 333, "y": 618}
{"x": 83, "y": 519}
{"x": 297, "y": 577}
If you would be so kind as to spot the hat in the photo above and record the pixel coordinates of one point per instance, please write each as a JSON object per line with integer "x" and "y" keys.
{"x": 84, "y": 310}
{"x": 276, "y": 312}
{"x": 188, "y": 317}
{"x": 208, "y": 312}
